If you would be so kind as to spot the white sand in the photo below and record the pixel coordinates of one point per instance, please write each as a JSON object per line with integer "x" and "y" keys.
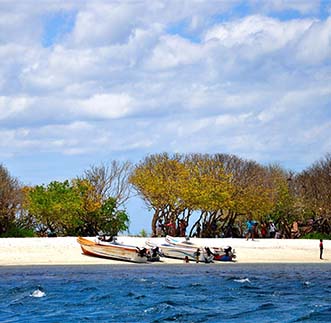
{"x": 66, "y": 251}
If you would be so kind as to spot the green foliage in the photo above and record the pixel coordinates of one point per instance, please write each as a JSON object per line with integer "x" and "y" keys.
{"x": 55, "y": 207}
{"x": 143, "y": 233}
{"x": 219, "y": 187}
{"x": 17, "y": 232}
{"x": 111, "y": 220}
{"x": 316, "y": 235}
{"x": 65, "y": 208}
{"x": 224, "y": 189}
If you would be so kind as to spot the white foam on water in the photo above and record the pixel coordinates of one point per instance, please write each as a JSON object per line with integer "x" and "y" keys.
{"x": 38, "y": 293}
{"x": 243, "y": 280}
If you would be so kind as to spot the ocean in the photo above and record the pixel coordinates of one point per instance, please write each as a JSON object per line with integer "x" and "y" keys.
{"x": 166, "y": 293}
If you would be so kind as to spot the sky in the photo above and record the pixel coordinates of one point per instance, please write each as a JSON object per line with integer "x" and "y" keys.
{"x": 86, "y": 82}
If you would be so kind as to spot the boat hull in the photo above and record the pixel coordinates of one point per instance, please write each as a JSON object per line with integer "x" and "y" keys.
{"x": 117, "y": 252}
{"x": 177, "y": 252}
{"x": 220, "y": 254}
{"x": 181, "y": 253}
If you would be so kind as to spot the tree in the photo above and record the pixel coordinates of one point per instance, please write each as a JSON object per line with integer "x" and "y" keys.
{"x": 159, "y": 179}
{"x": 10, "y": 200}
{"x": 208, "y": 191}
{"x": 111, "y": 220}
{"x": 73, "y": 208}
{"x": 110, "y": 181}
{"x": 314, "y": 190}
{"x": 220, "y": 187}
{"x": 91, "y": 202}
{"x": 55, "y": 208}
{"x": 104, "y": 190}
{"x": 285, "y": 207}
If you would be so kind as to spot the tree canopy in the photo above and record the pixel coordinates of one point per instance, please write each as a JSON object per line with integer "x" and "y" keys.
{"x": 226, "y": 190}
{"x": 86, "y": 205}
{"x": 219, "y": 192}
{"x": 10, "y": 200}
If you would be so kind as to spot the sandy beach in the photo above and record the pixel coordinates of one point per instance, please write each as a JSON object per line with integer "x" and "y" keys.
{"x": 66, "y": 251}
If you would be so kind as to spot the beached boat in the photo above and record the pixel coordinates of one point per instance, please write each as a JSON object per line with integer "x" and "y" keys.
{"x": 112, "y": 250}
{"x": 222, "y": 254}
{"x": 179, "y": 252}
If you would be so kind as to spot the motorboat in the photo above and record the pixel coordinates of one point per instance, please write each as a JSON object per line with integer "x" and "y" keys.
{"x": 196, "y": 254}
{"x": 220, "y": 253}
{"x": 113, "y": 250}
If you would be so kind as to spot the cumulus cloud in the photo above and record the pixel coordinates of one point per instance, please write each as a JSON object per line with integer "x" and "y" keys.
{"x": 106, "y": 106}
{"x": 104, "y": 24}
{"x": 10, "y": 106}
{"x": 132, "y": 78}
{"x": 258, "y": 35}
{"x": 315, "y": 46}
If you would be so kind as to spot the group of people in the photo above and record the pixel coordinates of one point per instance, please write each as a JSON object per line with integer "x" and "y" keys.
{"x": 267, "y": 230}
{"x": 171, "y": 228}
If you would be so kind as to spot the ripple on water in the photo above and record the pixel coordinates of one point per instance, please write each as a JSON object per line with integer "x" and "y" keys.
{"x": 166, "y": 294}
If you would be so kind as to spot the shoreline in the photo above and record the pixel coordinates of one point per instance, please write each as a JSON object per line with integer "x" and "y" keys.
{"x": 66, "y": 251}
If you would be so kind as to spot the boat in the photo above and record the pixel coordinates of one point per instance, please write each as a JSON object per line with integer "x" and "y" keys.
{"x": 221, "y": 254}
{"x": 113, "y": 250}
{"x": 152, "y": 253}
{"x": 185, "y": 253}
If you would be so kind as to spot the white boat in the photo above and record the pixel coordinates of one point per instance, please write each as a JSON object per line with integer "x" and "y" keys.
{"x": 179, "y": 252}
{"x": 112, "y": 250}
{"x": 222, "y": 254}
{"x": 182, "y": 242}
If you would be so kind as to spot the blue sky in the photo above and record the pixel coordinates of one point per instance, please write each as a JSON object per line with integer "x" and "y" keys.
{"x": 86, "y": 82}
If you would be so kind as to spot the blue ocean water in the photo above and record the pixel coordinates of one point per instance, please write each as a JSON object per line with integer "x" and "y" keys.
{"x": 166, "y": 293}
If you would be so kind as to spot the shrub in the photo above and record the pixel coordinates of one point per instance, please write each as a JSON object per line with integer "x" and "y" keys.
{"x": 143, "y": 233}
{"x": 16, "y": 232}
{"x": 316, "y": 235}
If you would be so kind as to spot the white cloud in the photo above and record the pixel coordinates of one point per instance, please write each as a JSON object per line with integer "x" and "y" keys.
{"x": 10, "y": 106}
{"x": 232, "y": 121}
{"x": 174, "y": 76}
{"x": 258, "y": 33}
{"x": 296, "y": 103}
{"x": 105, "y": 106}
{"x": 104, "y": 24}
{"x": 315, "y": 45}
{"x": 173, "y": 51}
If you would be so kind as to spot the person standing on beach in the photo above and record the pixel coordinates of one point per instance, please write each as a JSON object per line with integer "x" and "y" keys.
{"x": 171, "y": 227}
{"x": 272, "y": 229}
{"x": 197, "y": 255}
{"x": 250, "y": 229}
{"x": 321, "y": 248}
{"x": 159, "y": 229}
{"x": 263, "y": 229}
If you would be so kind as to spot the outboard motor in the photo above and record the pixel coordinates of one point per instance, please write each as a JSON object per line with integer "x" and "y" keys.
{"x": 210, "y": 255}
{"x": 142, "y": 252}
{"x": 227, "y": 250}
{"x": 103, "y": 237}
{"x": 155, "y": 252}
{"x": 208, "y": 251}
